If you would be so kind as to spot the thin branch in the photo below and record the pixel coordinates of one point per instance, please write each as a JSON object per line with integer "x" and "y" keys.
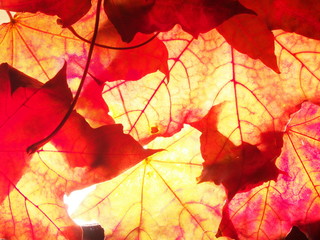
{"x": 10, "y": 16}
{"x": 34, "y": 147}
{"x": 111, "y": 47}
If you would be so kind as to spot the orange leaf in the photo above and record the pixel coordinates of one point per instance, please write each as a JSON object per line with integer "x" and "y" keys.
{"x": 250, "y": 35}
{"x": 162, "y": 197}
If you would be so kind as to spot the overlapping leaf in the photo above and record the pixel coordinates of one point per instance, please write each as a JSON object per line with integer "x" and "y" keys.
{"x": 34, "y": 208}
{"x": 38, "y": 186}
{"x": 207, "y": 72}
{"x": 22, "y": 101}
{"x": 269, "y": 211}
{"x": 297, "y": 16}
{"x": 70, "y": 11}
{"x": 163, "y": 199}
{"x": 22, "y": 106}
{"x": 195, "y": 16}
{"x": 37, "y": 46}
{"x": 238, "y": 168}
{"x": 249, "y": 35}
{"x": 36, "y": 40}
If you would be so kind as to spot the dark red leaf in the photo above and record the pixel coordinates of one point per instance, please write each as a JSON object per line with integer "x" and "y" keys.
{"x": 70, "y": 11}
{"x": 24, "y": 102}
{"x": 92, "y": 106}
{"x": 270, "y": 210}
{"x": 312, "y": 230}
{"x": 30, "y": 110}
{"x": 250, "y": 35}
{"x": 238, "y": 168}
{"x": 36, "y": 45}
{"x": 132, "y": 63}
{"x": 105, "y": 151}
{"x": 195, "y": 16}
{"x": 300, "y": 16}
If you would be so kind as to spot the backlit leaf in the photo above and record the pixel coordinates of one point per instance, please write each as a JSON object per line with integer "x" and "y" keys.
{"x": 21, "y": 105}
{"x": 208, "y": 71}
{"x": 22, "y": 45}
{"x": 69, "y": 11}
{"x": 269, "y": 211}
{"x": 163, "y": 199}
{"x": 298, "y": 16}
{"x": 238, "y": 168}
{"x": 195, "y": 16}
{"x": 36, "y": 185}
{"x": 249, "y": 35}
{"x": 29, "y": 207}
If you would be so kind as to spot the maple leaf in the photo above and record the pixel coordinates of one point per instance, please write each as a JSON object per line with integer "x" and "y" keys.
{"x": 250, "y": 35}
{"x": 238, "y": 168}
{"x": 26, "y": 34}
{"x": 202, "y": 72}
{"x": 21, "y": 106}
{"x": 196, "y": 16}
{"x": 98, "y": 154}
{"x": 35, "y": 208}
{"x": 207, "y": 72}
{"x": 70, "y": 11}
{"x": 22, "y": 46}
{"x": 163, "y": 199}
{"x": 292, "y": 16}
{"x": 269, "y": 211}
{"x": 104, "y": 151}
{"x": 126, "y": 61}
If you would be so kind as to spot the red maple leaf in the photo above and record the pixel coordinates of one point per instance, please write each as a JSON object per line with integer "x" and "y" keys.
{"x": 269, "y": 211}
{"x": 31, "y": 110}
{"x": 195, "y": 16}
{"x": 70, "y": 11}
{"x": 297, "y": 16}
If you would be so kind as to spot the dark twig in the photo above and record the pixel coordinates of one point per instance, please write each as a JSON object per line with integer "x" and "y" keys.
{"x": 34, "y": 147}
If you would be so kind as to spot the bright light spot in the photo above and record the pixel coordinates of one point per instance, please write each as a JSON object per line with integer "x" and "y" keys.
{"x": 73, "y": 83}
{"x": 145, "y": 147}
{"x": 185, "y": 150}
{"x": 74, "y": 200}
{"x": 110, "y": 114}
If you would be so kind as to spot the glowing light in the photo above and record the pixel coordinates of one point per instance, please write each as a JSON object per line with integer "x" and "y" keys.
{"x": 74, "y": 200}
{"x": 110, "y": 114}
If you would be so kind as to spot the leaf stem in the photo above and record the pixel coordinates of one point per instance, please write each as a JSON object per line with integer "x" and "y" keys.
{"x": 34, "y": 147}
{"x": 111, "y": 47}
{"x": 10, "y": 16}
